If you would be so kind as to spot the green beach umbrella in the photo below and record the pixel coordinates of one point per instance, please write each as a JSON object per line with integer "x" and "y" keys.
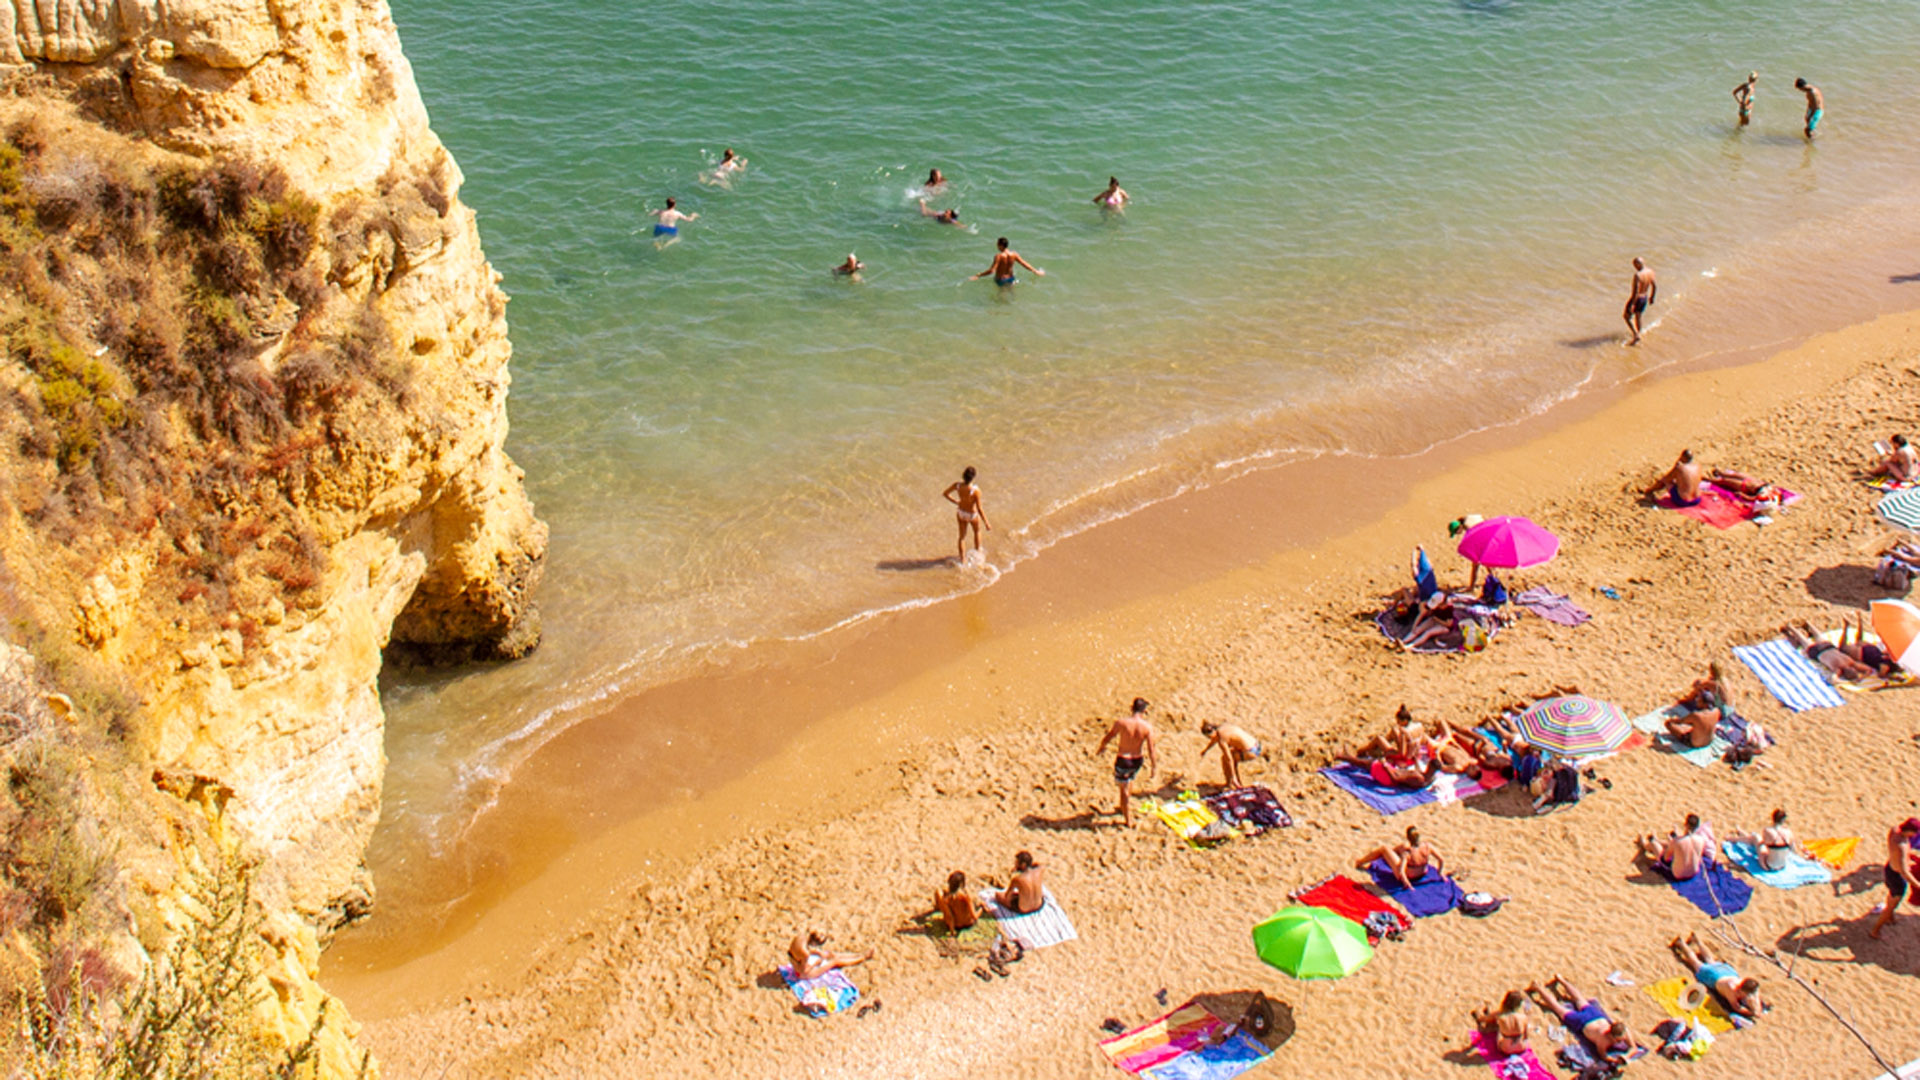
{"x": 1312, "y": 943}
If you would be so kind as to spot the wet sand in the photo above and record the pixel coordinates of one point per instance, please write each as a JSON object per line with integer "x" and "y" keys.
{"x": 641, "y": 947}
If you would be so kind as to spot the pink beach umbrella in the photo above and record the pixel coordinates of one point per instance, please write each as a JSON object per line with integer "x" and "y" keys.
{"x": 1898, "y": 625}
{"x": 1509, "y": 543}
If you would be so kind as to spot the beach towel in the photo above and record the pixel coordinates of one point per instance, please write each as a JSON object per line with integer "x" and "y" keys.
{"x": 1552, "y": 607}
{"x": 1799, "y": 870}
{"x": 1185, "y": 1044}
{"x": 823, "y": 996}
{"x": 1721, "y": 508}
{"x": 1702, "y": 756}
{"x": 1433, "y": 892}
{"x": 1252, "y": 809}
{"x": 1714, "y": 890}
{"x": 1446, "y": 788}
{"x": 1785, "y": 671}
{"x": 1834, "y": 851}
{"x": 1188, "y": 817}
{"x": 1887, "y": 483}
{"x": 1466, "y": 607}
{"x": 1712, "y": 1015}
{"x": 1344, "y": 896}
{"x": 1497, "y": 1061}
{"x": 1048, "y": 926}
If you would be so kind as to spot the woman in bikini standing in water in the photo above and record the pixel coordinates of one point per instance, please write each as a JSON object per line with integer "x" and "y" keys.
{"x": 967, "y": 509}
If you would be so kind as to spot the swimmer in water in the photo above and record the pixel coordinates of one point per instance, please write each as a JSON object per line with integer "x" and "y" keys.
{"x": 944, "y": 217}
{"x": 731, "y": 165}
{"x": 850, "y": 269}
{"x": 1114, "y": 197}
{"x": 936, "y": 181}
{"x": 1004, "y": 261}
{"x": 667, "y": 229}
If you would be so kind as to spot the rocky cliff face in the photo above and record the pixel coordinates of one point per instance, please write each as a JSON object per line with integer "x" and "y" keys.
{"x": 255, "y": 400}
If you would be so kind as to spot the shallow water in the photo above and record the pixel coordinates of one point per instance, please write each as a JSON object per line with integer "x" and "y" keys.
{"x": 1357, "y": 228}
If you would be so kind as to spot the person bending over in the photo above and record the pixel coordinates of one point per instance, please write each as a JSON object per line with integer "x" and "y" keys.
{"x": 1236, "y": 747}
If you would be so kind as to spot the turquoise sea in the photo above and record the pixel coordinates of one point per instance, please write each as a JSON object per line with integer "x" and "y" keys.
{"x": 1358, "y": 228}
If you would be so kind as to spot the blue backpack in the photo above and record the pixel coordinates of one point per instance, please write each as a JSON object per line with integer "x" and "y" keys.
{"x": 1494, "y": 592}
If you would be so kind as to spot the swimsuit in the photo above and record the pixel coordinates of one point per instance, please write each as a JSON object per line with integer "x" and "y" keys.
{"x": 1819, "y": 649}
{"x": 1640, "y": 304}
{"x": 1578, "y": 1019}
{"x": 1008, "y": 280}
{"x": 1673, "y": 493}
{"x": 1896, "y": 884}
{"x": 1813, "y": 119}
{"x": 1126, "y": 767}
{"x": 965, "y": 515}
{"x": 666, "y": 230}
{"x": 1710, "y": 975}
{"x": 1251, "y": 752}
{"x": 1873, "y": 656}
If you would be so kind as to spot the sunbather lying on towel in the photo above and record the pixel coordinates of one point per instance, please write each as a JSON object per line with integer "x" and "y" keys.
{"x": 1026, "y": 893}
{"x": 812, "y": 960}
{"x": 956, "y": 906}
{"x": 1408, "y": 861}
{"x": 1708, "y": 704}
{"x": 1437, "y": 619}
{"x": 1742, "y": 484}
{"x": 1509, "y": 1026}
{"x": 1772, "y": 844}
{"x": 1519, "y": 760}
{"x": 1853, "y": 642}
{"x": 1583, "y": 1016}
{"x": 1826, "y": 653}
{"x": 1737, "y": 994}
{"x": 1396, "y": 771}
{"x": 1681, "y": 855}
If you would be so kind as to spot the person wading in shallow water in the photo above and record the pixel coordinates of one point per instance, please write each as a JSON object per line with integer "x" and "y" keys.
{"x": 1644, "y": 287}
{"x": 1003, "y": 263}
{"x": 968, "y": 511}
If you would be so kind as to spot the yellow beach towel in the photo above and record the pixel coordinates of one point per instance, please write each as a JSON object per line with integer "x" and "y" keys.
{"x": 1710, "y": 1016}
{"x": 1834, "y": 851}
{"x": 1186, "y": 816}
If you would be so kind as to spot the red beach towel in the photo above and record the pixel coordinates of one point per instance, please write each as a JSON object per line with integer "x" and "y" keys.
{"x": 1343, "y": 896}
{"x": 1721, "y": 508}
{"x": 1497, "y": 1061}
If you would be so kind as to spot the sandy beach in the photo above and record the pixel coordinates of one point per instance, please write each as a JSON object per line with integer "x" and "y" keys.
{"x": 645, "y": 946}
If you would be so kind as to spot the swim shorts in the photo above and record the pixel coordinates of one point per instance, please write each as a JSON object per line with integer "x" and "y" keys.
{"x": 1008, "y": 280}
{"x": 1813, "y": 119}
{"x": 1711, "y": 974}
{"x": 1896, "y": 885}
{"x": 1673, "y": 493}
{"x": 1639, "y": 305}
{"x": 666, "y": 230}
{"x": 1125, "y": 768}
{"x": 1250, "y": 753}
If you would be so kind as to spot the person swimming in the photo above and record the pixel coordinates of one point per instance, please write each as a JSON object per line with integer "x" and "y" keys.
{"x": 851, "y": 268}
{"x": 1004, "y": 261}
{"x": 944, "y": 217}
{"x": 670, "y": 218}
{"x": 936, "y": 182}
{"x": 730, "y": 166}
{"x": 1114, "y": 198}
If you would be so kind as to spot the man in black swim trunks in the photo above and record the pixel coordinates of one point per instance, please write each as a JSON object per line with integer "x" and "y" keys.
{"x": 1644, "y": 288}
{"x": 1898, "y": 873}
{"x": 1135, "y": 738}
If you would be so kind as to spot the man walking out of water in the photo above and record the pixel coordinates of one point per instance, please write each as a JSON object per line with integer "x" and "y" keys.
{"x": 668, "y": 227}
{"x": 1816, "y": 104}
{"x": 1743, "y": 95}
{"x": 967, "y": 509}
{"x": 1644, "y": 286}
{"x": 1135, "y": 737}
{"x": 1003, "y": 263}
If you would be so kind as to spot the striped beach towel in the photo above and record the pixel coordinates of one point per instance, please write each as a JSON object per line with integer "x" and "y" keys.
{"x": 1787, "y": 673}
{"x": 1048, "y": 926}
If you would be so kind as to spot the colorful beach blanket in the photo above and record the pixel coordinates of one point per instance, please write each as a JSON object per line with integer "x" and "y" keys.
{"x": 825, "y": 995}
{"x": 1188, "y": 817}
{"x": 1785, "y": 671}
{"x": 1433, "y": 892}
{"x": 1446, "y": 788}
{"x": 1835, "y": 851}
{"x": 1712, "y": 1015}
{"x": 1466, "y": 607}
{"x": 1342, "y": 895}
{"x": 1529, "y": 1068}
{"x": 1714, "y": 890}
{"x": 1721, "y": 508}
{"x": 1185, "y": 1044}
{"x": 1048, "y": 926}
{"x": 1552, "y": 607}
{"x": 1255, "y": 807}
{"x": 1798, "y": 872}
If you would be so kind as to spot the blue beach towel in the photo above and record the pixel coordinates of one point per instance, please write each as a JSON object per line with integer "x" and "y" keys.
{"x": 1798, "y": 871}
{"x": 1391, "y": 800}
{"x": 1714, "y": 881}
{"x": 1798, "y": 682}
{"x": 1433, "y": 893}
{"x": 824, "y": 996}
{"x": 1223, "y": 1061}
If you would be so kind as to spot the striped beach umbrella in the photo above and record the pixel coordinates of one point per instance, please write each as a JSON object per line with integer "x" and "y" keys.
{"x": 1575, "y": 726}
{"x": 1901, "y": 510}
{"x": 1898, "y": 625}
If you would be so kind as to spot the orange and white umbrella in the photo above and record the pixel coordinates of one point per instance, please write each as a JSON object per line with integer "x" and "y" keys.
{"x": 1898, "y": 625}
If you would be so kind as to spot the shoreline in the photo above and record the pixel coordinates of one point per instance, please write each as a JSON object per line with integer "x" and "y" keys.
{"x": 1065, "y": 662}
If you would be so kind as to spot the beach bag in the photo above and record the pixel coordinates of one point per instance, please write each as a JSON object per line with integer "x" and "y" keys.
{"x": 1473, "y": 636}
{"x": 1480, "y": 904}
{"x": 1494, "y": 592}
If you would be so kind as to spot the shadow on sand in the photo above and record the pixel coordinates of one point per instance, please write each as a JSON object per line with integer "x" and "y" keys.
{"x": 1848, "y": 586}
{"x": 945, "y": 562}
{"x": 1847, "y": 942}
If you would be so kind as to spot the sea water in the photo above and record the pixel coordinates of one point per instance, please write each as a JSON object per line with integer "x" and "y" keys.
{"x": 1361, "y": 227}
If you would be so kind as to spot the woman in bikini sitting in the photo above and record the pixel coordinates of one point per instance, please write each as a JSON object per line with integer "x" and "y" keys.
{"x": 1707, "y": 704}
{"x": 1508, "y": 1027}
{"x": 1408, "y": 861}
{"x": 1773, "y": 843}
{"x": 812, "y": 960}
{"x": 956, "y": 906}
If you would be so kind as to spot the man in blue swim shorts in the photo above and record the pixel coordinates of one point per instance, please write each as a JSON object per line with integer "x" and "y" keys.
{"x": 1717, "y": 977}
{"x": 669, "y": 220}
{"x": 1003, "y": 263}
{"x": 1816, "y": 103}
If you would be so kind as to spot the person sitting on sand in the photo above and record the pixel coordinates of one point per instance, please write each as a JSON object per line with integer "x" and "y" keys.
{"x": 944, "y": 217}
{"x": 1825, "y": 653}
{"x": 1509, "y": 1027}
{"x": 1026, "y": 893}
{"x": 1707, "y": 704}
{"x": 1772, "y": 844}
{"x": 1742, "y": 484}
{"x": 956, "y": 906}
{"x": 1407, "y": 741}
{"x": 1583, "y": 1016}
{"x": 811, "y": 960}
{"x": 1902, "y": 463}
{"x": 1436, "y": 620}
{"x": 1236, "y": 746}
{"x": 1557, "y": 784}
{"x": 1681, "y": 856}
{"x": 1739, "y": 995}
{"x": 1408, "y": 861}
{"x": 1682, "y": 482}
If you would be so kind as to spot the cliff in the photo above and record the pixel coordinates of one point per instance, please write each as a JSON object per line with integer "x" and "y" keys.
{"x": 254, "y": 406}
